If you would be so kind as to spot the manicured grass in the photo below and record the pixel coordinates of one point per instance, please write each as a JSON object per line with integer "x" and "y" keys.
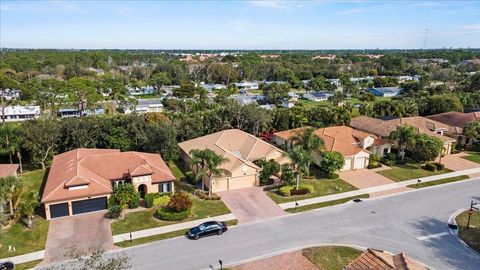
{"x": 177, "y": 172}
{"x": 321, "y": 187}
{"x": 439, "y": 182}
{"x": 324, "y": 204}
{"x": 162, "y": 236}
{"x": 27, "y": 265}
{"x": 472, "y": 235}
{"x": 32, "y": 181}
{"x": 475, "y": 157}
{"x": 144, "y": 219}
{"x": 24, "y": 240}
{"x": 408, "y": 171}
{"x": 331, "y": 258}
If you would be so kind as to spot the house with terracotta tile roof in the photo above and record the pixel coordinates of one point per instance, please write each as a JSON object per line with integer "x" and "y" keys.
{"x": 82, "y": 180}
{"x": 377, "y": 259}
{"x": 456, "y": 122}
{"x": 382, "y": 128}
{"x": 242, "y": 150}
{"x": 8, "y": 170}
{"x": 355, "y": 145}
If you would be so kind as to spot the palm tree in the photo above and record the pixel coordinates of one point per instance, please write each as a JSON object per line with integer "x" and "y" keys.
{"x": 207, "y": 164}
{"x": 10, "y": 141}
{"x": 301, "y": 162}
{"x": 11, "y": 188}
{"x": 472, "y": 131}
{"x": 28, "y": 206}
{"x": 405, "y": 135}
{"x": 309, "y": 142}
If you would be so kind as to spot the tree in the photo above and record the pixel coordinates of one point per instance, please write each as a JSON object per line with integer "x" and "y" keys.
{"x": 336, "y": 99}
{"x": 82, "y": 92}
{"x": 405, "y": 136}
{"x": 160, "y": 79}
{"x": 310, "y": 143}
{"x": 301, "y": 160}
{"x": 207, "y": 164}
{"x": 275, "y": 93}
{"x": 11, "y": 188}
{"x": 269, "y": 168}
{"x": 10, "y": 141}
{"x": 6, "y": 83}
{"x": 427, "y": 148}
{"x": 125, "y": 196}
{"x": 472, "y": 131}
{"x": 331, "y": 163}
{"x": 162, "y": 139}
{"x": 28, "y": 206}
{"x": 41, "y": 139}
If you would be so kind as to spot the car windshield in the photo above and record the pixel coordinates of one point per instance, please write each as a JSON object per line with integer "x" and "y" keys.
{"x": 202, "y": 227}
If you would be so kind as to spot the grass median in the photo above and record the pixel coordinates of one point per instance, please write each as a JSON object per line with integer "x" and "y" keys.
{"x": 471, "y": 236}
{"x": 408, "y": 172}
{"x": 331, "y": 258}
{"x": 439, "y": 182}
{"x": 325, "y": 204}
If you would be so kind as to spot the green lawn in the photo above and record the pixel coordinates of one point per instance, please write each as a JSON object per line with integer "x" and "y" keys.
{"x": 408, "y": 171}
{"x": 439, "y": 182}
{"x": 475, "y": 157}
{"x": 24, "y": 240}
{"x": 147, "y": 96}
{"x": 27, "y": 265}
{"x": 331, "y": 258}
{"x": 324, "y": 204}
{"x": 175, "y": 168}
{"x": 472, "y": 235}
{"x": 33, "y": 180}
{"x": 144, "y": 219}
{"x": 322, "y": 187}
{"x": 162, "y": 236}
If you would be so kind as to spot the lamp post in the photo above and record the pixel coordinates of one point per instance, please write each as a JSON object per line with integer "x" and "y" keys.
{"x": 221, "y": 264}
{"x": 470, "y": 212}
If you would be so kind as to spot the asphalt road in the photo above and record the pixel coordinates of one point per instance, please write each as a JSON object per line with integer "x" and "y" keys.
{"x": 390, "y": 223}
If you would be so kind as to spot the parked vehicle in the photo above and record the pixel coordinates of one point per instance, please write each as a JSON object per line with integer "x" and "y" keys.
{"x": 206, "y": 229}
{"x": 7, "y": 266}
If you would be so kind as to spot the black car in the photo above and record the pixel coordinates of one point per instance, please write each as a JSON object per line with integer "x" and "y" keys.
{"x": 206, "y": 229}
{"x": 7, "y": 265}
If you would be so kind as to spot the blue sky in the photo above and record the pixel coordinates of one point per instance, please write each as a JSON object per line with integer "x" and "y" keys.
{"x": 239, "y": 24}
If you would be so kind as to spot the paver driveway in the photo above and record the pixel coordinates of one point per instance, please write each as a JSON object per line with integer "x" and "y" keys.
{"x": 366, "y": 178}
{"x": 289, "y": 261}
{"x": 457, "y": 163}
{"x": 250, "y": 204}
{"x": 80, "y": 233}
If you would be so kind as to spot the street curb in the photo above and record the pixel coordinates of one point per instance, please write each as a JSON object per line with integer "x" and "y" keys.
{"x": 452, "y": 220}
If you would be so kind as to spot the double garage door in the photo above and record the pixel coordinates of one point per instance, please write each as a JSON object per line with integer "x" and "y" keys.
{"x": 234, "y": 183}
{"x": 78, "y": 207}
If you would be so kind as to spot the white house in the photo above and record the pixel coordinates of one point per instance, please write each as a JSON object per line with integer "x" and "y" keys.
{"x": 145, "y": 106}
{"x": 9, "y": 94}
{"x": 247, "y": 85}
{"x": 209, "y": 87}
{"x": 318, "y": 95}
{"x": 20, "y": 113}
{"x": 144, "y": 90}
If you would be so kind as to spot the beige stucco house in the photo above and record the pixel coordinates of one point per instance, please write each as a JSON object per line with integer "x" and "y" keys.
{"x": 355, "y": 145}
{"x": 81, "y": 180}
{"x": 241, "y": 149}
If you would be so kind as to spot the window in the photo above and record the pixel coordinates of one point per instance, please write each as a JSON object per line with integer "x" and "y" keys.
{"x": 165, "y": 187}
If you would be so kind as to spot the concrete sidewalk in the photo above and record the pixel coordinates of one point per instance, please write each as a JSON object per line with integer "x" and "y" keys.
{"x": 37, "y": 255}
{"x": 169, "y": 228}
{"x": 381, "y": 188}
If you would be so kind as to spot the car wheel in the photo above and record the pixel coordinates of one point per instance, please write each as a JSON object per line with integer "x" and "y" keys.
{"x": 219, "y": 232}
{"x": 196, "y": 237}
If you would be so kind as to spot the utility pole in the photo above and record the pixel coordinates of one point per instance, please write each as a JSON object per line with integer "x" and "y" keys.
{"x": 425, "y": 39}
{"x": 470, "y": 212}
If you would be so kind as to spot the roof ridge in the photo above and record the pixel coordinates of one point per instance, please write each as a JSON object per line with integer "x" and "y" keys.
{"x": 251, "y": 149}
{"x": 380, "y": 257}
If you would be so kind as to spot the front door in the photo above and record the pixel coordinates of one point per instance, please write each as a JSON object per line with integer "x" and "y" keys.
{"x": 142, "y": 189}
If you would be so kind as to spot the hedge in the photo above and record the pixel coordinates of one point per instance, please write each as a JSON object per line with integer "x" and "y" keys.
{"x": 149, "y": 197}
{"x": 285, "y": 190}
{"x": 161, "y": 201}
{"x": 170, "y": 215}
{"x": 308, "y": 187}
{"x": 430, "y": 167}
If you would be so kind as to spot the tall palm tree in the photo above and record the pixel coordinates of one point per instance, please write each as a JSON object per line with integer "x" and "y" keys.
{"x": 472, "y": 131}
{"x": 207, "y": 164}
{"x": 405, "y": 135}
{"x": 11, "y": 189}
{"x": 301, "y": 160}
{"x": 10, "y": 141}
{"x": 310, "y": 143}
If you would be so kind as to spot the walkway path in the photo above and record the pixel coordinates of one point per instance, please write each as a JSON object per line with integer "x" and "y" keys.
{"x": 382, "y": 188}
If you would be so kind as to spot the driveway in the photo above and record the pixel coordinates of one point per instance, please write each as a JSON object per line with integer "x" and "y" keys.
{"x": 457, "y": 163}
{"x": 250, "y": 204}
{"x": 289, "y": 261}
{"x": 366, "y": 178}
{"x": 77, "y": 233}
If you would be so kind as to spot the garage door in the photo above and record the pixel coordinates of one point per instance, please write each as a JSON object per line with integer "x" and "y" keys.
{"x": 242, "y": 182}
{"x": 360, "y": 163}
{"x": 90, "y": 205}
{"x": 220, "y": 185}
{"x": 348, "y": 164}
{"x": 58, "y": 210}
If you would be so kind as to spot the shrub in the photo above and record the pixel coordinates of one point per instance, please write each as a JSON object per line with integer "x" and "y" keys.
{"x": 125, "y": 195}
{"x": 114, "y": 211}
{"x": 170, "y": 215}
{"x": 190, "y": 177}
{"x": 204, "y": 195}
{"x": 134, "y": 201}
{"x": 333, "y": 176}
{"x": 180, "y": 202}
{"x": 389, "y": 159}
{"x": 374, "y": 164}
{"x": 161, "y": 201}
{"x": 374, "y": 158}
{"x": 430, "y": 167}
{"x": 308, "y": 187}
{"x": 300, "y": 191}
{"x": 285, "y": 190}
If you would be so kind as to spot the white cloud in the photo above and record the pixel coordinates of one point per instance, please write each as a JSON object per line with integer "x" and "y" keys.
{"x": 275, "y": 4}
{"x": 475, "y": 26}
